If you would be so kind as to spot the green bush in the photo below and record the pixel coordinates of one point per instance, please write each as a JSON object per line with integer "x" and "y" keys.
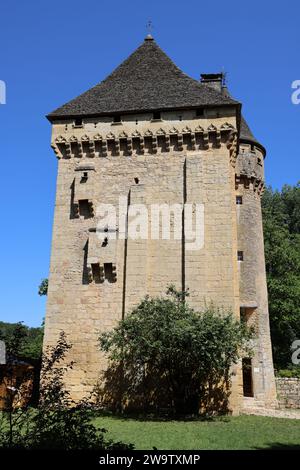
{"x": 289, "y": 373}
{"x": 165, "y": 354}
{"x": 281, "y": 218}
{"x": 58, "y": 422}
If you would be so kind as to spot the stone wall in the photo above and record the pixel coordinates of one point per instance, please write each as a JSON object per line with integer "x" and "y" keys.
{"x": 288, "y": 392}
{"x": 179, "y": 159}
{"x": 82, "y": 305}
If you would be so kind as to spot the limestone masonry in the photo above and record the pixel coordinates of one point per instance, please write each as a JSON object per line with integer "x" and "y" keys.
{"x": 153, "y": 135}
{"x": 288, "y": 392}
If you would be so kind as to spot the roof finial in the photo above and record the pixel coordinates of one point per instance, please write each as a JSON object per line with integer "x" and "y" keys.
{"x": 224, "y": 77}
{"x": 149, "y": 27}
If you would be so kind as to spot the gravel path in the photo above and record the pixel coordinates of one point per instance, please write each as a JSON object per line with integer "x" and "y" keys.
{"x": 283, "y": 413}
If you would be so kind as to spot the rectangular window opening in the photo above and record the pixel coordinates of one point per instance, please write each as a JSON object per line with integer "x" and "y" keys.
{"x": 84, "y": 209}
{"x": 239, "y": 200}
{"x": 199, "y": 112}
{"x": 156, "y": 115}
{"x": 84, "y": 177}
{"x": 248, "y": 315}
{"x": 109, "y": 273}
{"x": 117, "y": 118}
{"x": 96, "y": 272}
{"x": 78, "y": 122}
{"x": 240, "y": 256}
{"x": 243, "y": 315}
{"x": 247, "y": 377}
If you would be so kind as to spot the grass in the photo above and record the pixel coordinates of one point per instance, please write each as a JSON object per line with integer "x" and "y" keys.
{"x": 241, "y": 432}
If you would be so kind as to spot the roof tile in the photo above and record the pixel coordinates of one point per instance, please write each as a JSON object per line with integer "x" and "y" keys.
{"x": 147, "y": 80}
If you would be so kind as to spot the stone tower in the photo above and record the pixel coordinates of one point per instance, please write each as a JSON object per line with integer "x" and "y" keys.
{"x": 152, "y": 135}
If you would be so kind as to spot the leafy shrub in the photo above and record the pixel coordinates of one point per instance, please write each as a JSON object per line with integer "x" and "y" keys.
{"x": 289, "y": 373}
{"x": 166, "y": 355}
{"x": 58, "y": 422}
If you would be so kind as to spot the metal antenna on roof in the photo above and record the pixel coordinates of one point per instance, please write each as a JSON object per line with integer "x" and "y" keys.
{"x": 224, "y": 76}
{"x": 149, "y": 27}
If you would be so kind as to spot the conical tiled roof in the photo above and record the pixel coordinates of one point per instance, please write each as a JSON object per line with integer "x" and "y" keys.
{"x": 148, "y": 80}
{"x": 245, "y": 132}
{"x": 247, "y": 136}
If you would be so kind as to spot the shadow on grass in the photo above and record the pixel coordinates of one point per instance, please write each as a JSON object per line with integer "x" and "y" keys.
{"x": 160, "y": 417}
{"x": 279, "y": 446}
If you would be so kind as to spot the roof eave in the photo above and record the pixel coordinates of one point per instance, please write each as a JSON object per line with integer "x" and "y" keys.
{"x": 58, "y": 117}
{"x": 257, "y": 144}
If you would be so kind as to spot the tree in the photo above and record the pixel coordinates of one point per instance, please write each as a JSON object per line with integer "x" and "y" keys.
{"x": 58, "y": 422}
{"x": 30, "y": 340}
{"x": 281, "y": 219}
{"x": 43, "y": 287}
{"x": 16, "y": 387}
{"x": 164, "y": 352}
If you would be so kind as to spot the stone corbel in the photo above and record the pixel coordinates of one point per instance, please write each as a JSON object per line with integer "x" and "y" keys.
{"x": 193, "y": 141}
{"x": 228, "y": 129}
{"x": 56, "y": 151}
{"x": 89, "y": 273}
{"x": 91, "y": 206}
{"x": 75, "y": 210}
{"x": 154, "y": 144}
{"x": 85, "y": 140}
{"x": 79, "y": 147}
{"x": 142, "y": 145}
{"x": 129, "y": 146}
{"x": 205, "y": 140}
{"x": 68, "y": 150}
{"x": 180, "y": 142}
{"x": 91, "y": 148}
{"x": 117, "y": 147}
{"x": 213, "y": 130}
{"x": 103, "y": 148}
{"x": 218, "y": 139}
{"x": 261, "y": 188}
{"x": 231, "y": 139}
{"x": 114, "y": 272}
{"x": 232, "y": 146}
{"x": 61, "y": 143}
{"x": 73, "y": 140}
{"x": 167, "y": 137}
{"x": 136, "y": 135}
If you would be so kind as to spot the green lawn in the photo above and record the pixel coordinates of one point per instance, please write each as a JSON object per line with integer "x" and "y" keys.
{"x": 242, "y": 432}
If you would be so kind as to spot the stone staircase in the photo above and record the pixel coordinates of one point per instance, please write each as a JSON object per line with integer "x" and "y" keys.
{"x": 253, "y": 406}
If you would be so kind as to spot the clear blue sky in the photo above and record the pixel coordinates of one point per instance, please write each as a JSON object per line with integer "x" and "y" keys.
{"x": 53, "y": 51}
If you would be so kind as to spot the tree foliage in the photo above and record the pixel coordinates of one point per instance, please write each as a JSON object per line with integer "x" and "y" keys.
{"x": 58, "y": 422}
{"x": 43, "y": 287}
{"x": 24, "y": 341}
{"x": 166, "y": 352}
{"x": 281, "y": 219}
